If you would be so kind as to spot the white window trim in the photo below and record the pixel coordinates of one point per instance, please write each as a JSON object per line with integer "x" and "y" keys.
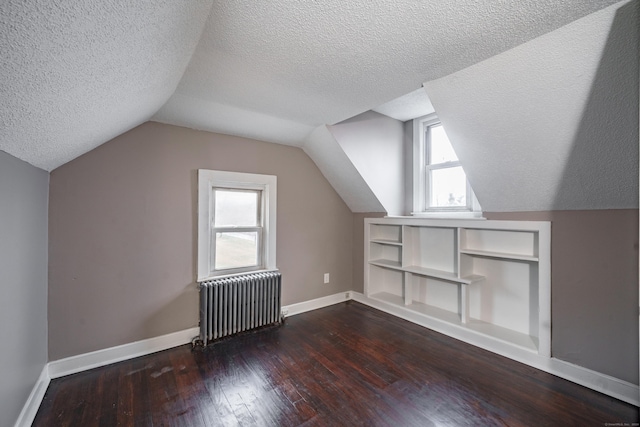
{"x": 207, "y": 180}
{"x": 420, "y": 169}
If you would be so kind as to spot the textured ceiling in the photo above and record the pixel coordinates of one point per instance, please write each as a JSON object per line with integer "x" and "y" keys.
{"x": 407, "y": 107}
{"x": 315, "y": 63}
{"x": 75, "y": 74}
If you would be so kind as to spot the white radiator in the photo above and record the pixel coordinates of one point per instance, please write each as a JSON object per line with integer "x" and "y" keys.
{"x": 239, "y": 303}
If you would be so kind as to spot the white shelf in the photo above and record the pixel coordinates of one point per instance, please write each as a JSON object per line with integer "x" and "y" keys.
{"x": 431, "y": 272}
{"x": 385, "y": 263}
{"x": 478, "y": 326}
{"x": 472, "y": 278}
{"x": 428, "y": 272}
{"x": 512, "y": 259}
{"x": 444, "y": 275}
{"x": 386, "y": 242}
{"x": 501, "y": 255}
{"x": 503, "y": 334}
{"x": 427, "y": 310}
{"x": 387, "y": 297}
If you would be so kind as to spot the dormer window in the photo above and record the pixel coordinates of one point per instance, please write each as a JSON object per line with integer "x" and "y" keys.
{"x": 440, "y": 183}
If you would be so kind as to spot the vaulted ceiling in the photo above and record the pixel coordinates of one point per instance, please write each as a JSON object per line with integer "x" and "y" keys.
{"x": 75, "y": 74}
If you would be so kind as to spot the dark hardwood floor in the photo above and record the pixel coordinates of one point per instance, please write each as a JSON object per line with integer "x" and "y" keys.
{"x": 345, "y": 365}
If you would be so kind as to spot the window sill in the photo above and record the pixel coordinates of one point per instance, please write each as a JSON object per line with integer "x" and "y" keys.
{"x": 448, "y": 215}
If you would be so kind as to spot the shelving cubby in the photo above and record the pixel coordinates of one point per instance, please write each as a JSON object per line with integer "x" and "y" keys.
{"x": 483, "y": 279}
{"x": 386, "y": 234}
{"x": 430, "y": 248}
{"x": 506, "y": 244}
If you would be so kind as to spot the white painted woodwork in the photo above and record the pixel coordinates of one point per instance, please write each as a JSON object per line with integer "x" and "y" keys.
{"x": 491, "y": 278}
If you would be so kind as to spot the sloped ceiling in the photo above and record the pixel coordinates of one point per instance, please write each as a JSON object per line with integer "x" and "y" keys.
{"x": 316, "y": 63}
{"x": 75, "y": 74}
{"x": 410, "y": 106}
{"x": 553, "y": 123}
{"x": 374, "y": 144}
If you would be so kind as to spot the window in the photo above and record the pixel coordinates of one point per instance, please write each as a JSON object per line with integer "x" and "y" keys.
{"x": 440, "y": 183}
{"x": 237, "y": 228}
{"x": 236, "y": 223}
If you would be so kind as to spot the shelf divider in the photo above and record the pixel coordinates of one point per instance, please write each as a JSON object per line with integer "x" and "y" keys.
{"x": 408, "y": 289}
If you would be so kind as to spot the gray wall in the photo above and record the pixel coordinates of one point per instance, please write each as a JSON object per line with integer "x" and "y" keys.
{"x": 123, "y": 233}
{"x": 23, "y": 282}
{"x": 594, "y": 293}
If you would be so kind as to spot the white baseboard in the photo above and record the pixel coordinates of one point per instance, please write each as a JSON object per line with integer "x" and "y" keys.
{"x": 95, "y": 359}
{"x": 597, "y": 381}
{"x": 611, "y": 386}
{"x": 30, "y": 408}
{"x": 614, "y": 387}
{"x": 107, "y": 356}
{"x": 314, "y": 304}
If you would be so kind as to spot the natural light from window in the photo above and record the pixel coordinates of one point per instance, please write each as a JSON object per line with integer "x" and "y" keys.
{"x": 237, "y": 228}
{"x": 448, "y": 180}
{"x": 236, "y": 223}
{"x": 440, "y": 183}
{"x": 441, "y": 149}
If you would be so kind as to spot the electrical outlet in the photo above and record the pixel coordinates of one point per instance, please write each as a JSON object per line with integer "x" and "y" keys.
{"x": 326, "y": 277}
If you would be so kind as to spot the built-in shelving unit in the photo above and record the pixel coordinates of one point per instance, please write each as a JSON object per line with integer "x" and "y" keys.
{"x": 489, "y": 279}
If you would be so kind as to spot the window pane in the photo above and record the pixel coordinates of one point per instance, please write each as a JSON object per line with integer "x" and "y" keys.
{"x": 235, "y": 250}
{"x": 440, "y": 148}
{"x": 448, "y": 187}
{"x": 236, "y": 208}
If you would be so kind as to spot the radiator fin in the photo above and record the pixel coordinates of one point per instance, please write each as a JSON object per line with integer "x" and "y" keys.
{"x": 239, "y": 303}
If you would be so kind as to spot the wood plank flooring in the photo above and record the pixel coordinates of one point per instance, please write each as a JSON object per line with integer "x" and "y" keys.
{"x": 345, "y": 365}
